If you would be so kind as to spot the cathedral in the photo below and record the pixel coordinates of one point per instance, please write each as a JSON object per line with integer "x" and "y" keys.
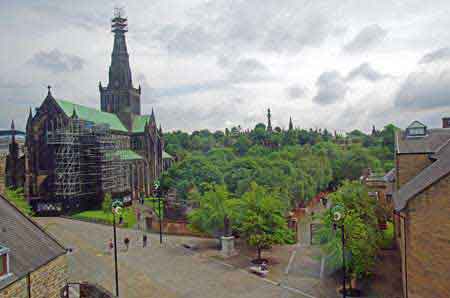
{"x": 75, "y": 154}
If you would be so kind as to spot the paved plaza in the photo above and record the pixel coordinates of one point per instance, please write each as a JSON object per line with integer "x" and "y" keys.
{"x": 167, "y": 270}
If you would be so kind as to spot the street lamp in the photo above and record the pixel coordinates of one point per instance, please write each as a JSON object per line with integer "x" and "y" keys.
{"x": 158, "y": 196}
{"x": 116, "y": 209}
{"x": 338, "y": 215}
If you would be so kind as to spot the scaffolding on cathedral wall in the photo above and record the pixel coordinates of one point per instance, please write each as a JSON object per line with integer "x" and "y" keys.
{"x": 86, "y": 162}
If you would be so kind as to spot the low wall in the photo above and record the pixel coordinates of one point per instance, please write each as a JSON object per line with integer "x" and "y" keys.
{"x": 172, "y": 227}
{"x": 88, "y": 290}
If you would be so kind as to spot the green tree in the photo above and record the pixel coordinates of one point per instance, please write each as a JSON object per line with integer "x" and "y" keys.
{"x": 242, "y": 145}
{"x": 261, "y": 219}
{"x": 213, "y": 207}
{"x": 360, "y": 223}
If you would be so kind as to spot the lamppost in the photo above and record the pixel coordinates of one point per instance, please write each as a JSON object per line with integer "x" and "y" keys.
{"x": 116, "y": 209}
{"x": 158, "y": 196}
{"x": 338, "y": 223}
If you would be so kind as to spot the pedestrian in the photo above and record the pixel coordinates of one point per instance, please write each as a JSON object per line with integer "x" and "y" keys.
{"x": 110, "y": 245}
{"x": 144, "y": 240}
{"x": 126, "y": 241}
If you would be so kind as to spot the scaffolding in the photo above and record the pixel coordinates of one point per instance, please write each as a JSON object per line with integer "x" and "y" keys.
{"x": 86, "y": 159}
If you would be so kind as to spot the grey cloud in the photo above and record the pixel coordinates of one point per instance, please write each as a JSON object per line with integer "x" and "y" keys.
{"x": 248, "y": 70}
{"x": 295, "y": 91}
{"x": 424, "y": 90}
{"x": 214, "y": 27}
{"x": 366, "y": 39}
{"x": 8, "y": 84}
{"x": 189, "y": 40}
{"x": 365, "y": 71}
{"x": 56, "y": 61}
{"x": 331, "y": 88}
{"x": 437, "y": 55}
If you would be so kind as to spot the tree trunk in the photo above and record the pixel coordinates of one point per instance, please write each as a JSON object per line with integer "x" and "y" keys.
{"x": 259, "y": 253}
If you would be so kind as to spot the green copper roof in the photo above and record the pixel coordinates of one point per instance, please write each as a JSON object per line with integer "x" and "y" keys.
{"x": 127, "y": 154}
{"x": 166, "y": 155}
{"x": 93, "y": 115}
{"x": 139, "y": 123}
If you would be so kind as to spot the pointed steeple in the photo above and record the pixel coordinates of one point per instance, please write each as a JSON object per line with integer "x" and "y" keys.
{"x": 374, "y": 131}
{"x": 119, "y": 96}
{"x": 291, "y": 126}
{"x": 13, "y": 132}
{"x": 269, "y": 123}
{"x": 30, "y": 117}
{"x": 74, "y": 114}
{"x": 49, "y": 92}
{"x": 146, "y": 126}
{"x": 152, "y": 116}
{"x": 119, "y": 71}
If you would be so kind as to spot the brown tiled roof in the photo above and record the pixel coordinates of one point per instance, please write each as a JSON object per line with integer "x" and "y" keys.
{"x": 429, "y": 143}
{"x": 30, "y": 247}
{"x": 429, "y": 176}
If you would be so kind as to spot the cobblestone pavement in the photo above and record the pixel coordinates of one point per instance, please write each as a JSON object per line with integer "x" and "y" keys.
{"x": 167, "y": 270}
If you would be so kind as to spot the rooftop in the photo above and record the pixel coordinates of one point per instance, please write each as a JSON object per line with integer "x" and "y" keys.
{"x": 429, "y": 176}
{"x": 430, "y": 143}
{"x": 30, "y": 247}
{"x": 92, "y": 115}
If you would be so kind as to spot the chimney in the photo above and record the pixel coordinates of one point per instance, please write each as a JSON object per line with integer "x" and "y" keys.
{"x": 446, "y": 122}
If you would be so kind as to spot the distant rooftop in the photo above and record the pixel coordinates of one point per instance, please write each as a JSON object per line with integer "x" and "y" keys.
{"x": 429, "y": 143}
{"x": 9, "y": 132}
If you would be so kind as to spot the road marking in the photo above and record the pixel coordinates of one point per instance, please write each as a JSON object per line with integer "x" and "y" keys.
{"x": 291, "y": 259}
{"x": 297, "y": 291}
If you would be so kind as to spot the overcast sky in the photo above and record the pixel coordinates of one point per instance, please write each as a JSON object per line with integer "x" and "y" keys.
{"x": 214, "y": 64}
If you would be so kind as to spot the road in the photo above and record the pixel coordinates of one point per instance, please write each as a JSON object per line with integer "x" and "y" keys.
{"x": 167, "y": 270}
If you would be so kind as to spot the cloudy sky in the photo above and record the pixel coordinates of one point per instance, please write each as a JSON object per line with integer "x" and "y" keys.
{"x": 213, "y": 64}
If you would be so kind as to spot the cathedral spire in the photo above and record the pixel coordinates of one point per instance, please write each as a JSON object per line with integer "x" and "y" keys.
{"x": 269, "y": 123}
{"x": 119, "y": 96}
{"x": 119, "y": 71}
{"x": 49, "y": 92}
{"x": 13, "y": 132}
{"x": 291, "y": 126}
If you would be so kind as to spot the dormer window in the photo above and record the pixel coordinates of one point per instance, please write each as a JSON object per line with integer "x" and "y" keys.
{"x": 416, "y": 129}
{"x": 4, "y": 262}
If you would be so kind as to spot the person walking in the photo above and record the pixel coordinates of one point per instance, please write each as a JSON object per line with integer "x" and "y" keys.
{"x": 110, "y": 245}
{"x": 126, "y": 241}
{"x": 144, "y": 240}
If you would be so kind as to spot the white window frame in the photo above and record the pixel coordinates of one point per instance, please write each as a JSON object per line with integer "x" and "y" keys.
{"x": 5, "y": 251}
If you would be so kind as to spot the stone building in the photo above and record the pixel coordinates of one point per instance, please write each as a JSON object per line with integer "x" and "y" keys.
{"x": 422, "y": 209}
{"x": 32, "y": 263}
{"x": 75, "y": 154}
{"x": 381, "y": 189}
{"x": 12, "y": 160}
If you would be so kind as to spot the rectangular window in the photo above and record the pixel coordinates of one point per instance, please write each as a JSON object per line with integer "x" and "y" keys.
{"x": 3, "y": 265}
{"x": 417, "y": 131}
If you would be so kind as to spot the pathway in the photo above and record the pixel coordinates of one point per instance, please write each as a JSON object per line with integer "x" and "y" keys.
{"x": 157, "y": 271}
